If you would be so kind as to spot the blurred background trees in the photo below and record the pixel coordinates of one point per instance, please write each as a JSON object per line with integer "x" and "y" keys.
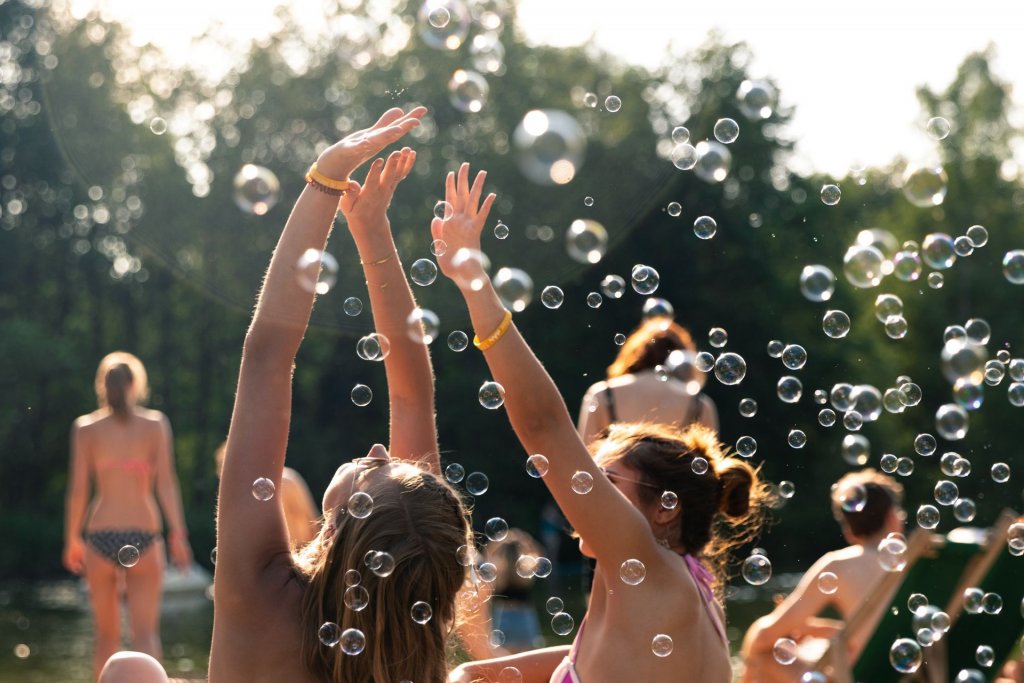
{"x": 119, "y": 229}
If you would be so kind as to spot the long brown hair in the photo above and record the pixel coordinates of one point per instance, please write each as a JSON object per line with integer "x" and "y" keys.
{"x": 116, "y": 373}
{"x": 420, "y": 521}
{"x": 650, "y": 344}
{"x": 719, "y": 509}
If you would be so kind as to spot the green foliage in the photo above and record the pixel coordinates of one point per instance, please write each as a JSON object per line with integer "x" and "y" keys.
{"x": 114, "y": 236}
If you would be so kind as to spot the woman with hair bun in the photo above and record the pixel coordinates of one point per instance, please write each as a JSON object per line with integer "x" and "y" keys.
{"x": 124, "y": 452}
{"x": 658, "y": 507}
{"x": 652, "y": 380}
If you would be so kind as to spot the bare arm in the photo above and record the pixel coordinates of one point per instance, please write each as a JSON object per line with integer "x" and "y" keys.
{"x": 536, "y": 666}
{"x": 613, "y": 527}
{"x": 75, "y": 502}
{"x": 794, "y": 616}
{"x": 168, "y": 492}
{"x": 409, "y": 374}
{"x": 251, "y": 533}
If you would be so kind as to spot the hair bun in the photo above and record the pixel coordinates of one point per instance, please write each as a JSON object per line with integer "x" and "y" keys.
{"x": 737, "y": 479}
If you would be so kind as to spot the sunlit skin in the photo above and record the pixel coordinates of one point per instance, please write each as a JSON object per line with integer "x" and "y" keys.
{"x": 622, "y": 620}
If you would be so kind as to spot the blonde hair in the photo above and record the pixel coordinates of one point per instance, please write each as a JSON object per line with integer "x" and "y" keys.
{"x": 720, "y": 509}
{"x": 420, "y": 521}
{"x": 116, "y": 372}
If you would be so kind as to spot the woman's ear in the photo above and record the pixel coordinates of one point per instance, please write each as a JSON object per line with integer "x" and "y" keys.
{"x": 664, "y": 516}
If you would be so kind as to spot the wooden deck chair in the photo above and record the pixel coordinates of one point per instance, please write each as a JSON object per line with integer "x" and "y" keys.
{"x": 934, "y": 568}
{"x": 995, "y": 571}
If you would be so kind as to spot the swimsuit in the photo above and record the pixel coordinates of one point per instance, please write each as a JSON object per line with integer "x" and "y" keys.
{"x": 566, "y": 672}
{"x": 696, "y": 407}
{"x": 108, "y": 542}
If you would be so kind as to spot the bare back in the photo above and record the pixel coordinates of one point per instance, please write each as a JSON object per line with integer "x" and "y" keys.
{"x": 858, "y": 572}
{"x": 122, "y": 457}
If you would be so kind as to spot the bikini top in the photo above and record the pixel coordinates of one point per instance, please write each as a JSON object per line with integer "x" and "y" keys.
{"x": 692, "y": 416}
{"x": 139, "y": 466}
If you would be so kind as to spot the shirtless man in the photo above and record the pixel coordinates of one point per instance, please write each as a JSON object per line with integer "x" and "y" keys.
{"x": 856, "y": 572}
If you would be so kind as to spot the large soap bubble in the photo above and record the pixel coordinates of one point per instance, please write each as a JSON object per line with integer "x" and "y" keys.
{"x": 443, "y": 24}
{"x": 924, "y": 185}
{"x": 756, "y": 99}
{"x": 550, "y": 145}
{"x": 713, "y": 161}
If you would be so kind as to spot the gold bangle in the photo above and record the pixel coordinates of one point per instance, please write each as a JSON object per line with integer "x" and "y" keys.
{"x": 378, "y": 262}
{"x": 490, "y": 341}
{"x": 313, "y": 175}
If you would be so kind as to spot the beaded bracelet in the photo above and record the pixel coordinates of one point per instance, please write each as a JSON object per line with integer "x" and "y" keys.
{"x": 326, "y": 185}
{"x": 490, "y": 341}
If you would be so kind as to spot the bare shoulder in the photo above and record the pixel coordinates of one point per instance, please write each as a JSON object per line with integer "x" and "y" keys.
{"x": 154, "y": 417}
{"x": 290, "y": 476}
{"x": 84, "y": 422}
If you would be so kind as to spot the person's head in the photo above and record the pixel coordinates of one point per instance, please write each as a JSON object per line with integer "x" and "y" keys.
{"x": 121, "y": 382}
{"x": 697, "y": 498}
{"x": 505, "y": 554}
{"x": 419, "y": 522}
{"x": 650, "y": 345}
{"x": 867, "y": 504}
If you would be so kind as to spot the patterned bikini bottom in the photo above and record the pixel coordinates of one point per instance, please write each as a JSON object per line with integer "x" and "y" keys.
{"x": 109, "y": 543}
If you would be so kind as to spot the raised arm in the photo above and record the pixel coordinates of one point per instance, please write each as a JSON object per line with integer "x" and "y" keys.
{"x": 250, "y": 531}
{"x": 613, "y": 527}
{"x": 410, "y": 377}
{"x": 168, "y": 493}
{"x": 75, "y": 501}
{"x": 794, "y": 616}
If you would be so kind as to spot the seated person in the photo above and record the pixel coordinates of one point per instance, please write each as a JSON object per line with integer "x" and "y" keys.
{"x": 854, "y": 571}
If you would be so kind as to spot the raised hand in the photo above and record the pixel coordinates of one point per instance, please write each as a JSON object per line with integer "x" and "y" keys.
{"x": 340, "y": 159}
{"x": 367, "y": 204}
{"x": 461, "y": 227}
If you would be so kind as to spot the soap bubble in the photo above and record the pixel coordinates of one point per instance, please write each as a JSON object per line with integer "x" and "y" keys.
{"x": 330, "y": 634}
{"x": 562, "y": 624}
{"x": 797, "y": 438}
{"x": 968, "y": 395}
{"x": 985, "y": 656}
{"x": 684, "y": 156}
{"x": 936, "y": 280}
{"x": 756, "y": 99}
{"x": 661, "y": 645}
{"x": 828, "y": 583}
{"x": 863, "y": 266}
{"x": 726, "y": 131}
{"x": 905, "y": 655}
{"x": 550, "y": 146}
{"x": 910, "y": 394}
{"x": 423, "y": 272}
{"x": 713, "y": 162}
{"x": 552, "y": 297}
{"x": 496, "y": 529}
{"x": 537, "y": 465}
{"x": 613, "y": 286}
{"x": 423, "y": 326}
{"x": 826, "y": 417}
{"x": 853, "y": 420}
{"x": 730, "y": 368}
{"x": 421, "y": 612}
{"x": 514, "y": 288}
{"x": 964, "y": 510}
{"x": 937, "y": 127}
{"x": 468, "y": 91}
{"x": 256, "y": 189}
{"x": 904, "y": 466}
{"x": 263, "y": 489}
{"x": 841, "y": 396}
{"x": 680, "y": 135}
{"x": 866, "y": 400}
{"x": 356, "y": 598}
{"x": 1000, "y": 472}
{"x": 856, "y": 449}
{"x": 1015, "y": 394}
{"x": 705, "y": 227}
{"x": 978, "y": 331}
{"x": 924, "y": 185}
{"x": 718, "y": 337}
{"x": 925, "y": 444}
{"x": 962, "y": 246}
{"x": 454, "y": 473}
{"x": 951, "y": 422}
{"x": 509, "y": 674}
{"x": 757, "y": 569}
{"x": 794, "y": 356}
{"x": 458, "y": 341}
{"x": 835, "y": 324}
{"x": 938, "y": 251}
{"x": 128, "y": 556}
{"x": 361, "y": 395}
{"x": 992, "y": 603}
{"x": 789, "y": 389}
{"x": 1013, "y": 266}
{"x": 352, "y": 306}
{"x": 892, "y": 553}
{"x": 887, "y": 305}
{"x": 554, "y": 605}
{"x": 852, "y": 498}
{"x": 896, "y": 327}
{"x": 352, "y": 641}
{"x": 669, "y": 500}
{"x": 443, "y": 24}
{"x": 381, "y": 563}
{"x": 443, "y": 210}
{"x": 785, "y": 651}
{"x": 317, "y": 271}
{"x": 746, "y": 446}
{"x": 645, "y": 279}
{"x": 586, "y": 240}
{"x": 787, "y": 489}
{"x": 612, "y": 103}
{"x": 817, "y": 283}
{"x": 487, "y": 53}
{"x": 469, "y": 268}
{"x": 907, "y": 266}
{"x": 477, "y": 483}
{"x": 674, "y": 209}
{"x": 927, "y": 516}
{"x": 632, "y": 572}
{"x": 491, "y": 395}
{"x": 830, "y": 194}
{"x": 582, "y": 482}
{"x": 748, "y": 407}
{"x": 995, "y": 371}
{"x": 916, "y": 602}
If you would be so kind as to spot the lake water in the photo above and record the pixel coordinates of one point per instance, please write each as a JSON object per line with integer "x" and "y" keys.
{"x": 46, "y": 629}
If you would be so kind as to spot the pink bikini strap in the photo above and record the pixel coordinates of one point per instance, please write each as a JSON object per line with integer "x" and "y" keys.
{"x": 704, "y": 578}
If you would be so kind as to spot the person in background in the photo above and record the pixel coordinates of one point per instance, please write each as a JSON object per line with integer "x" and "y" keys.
{"x": 121, "y": 454}
{"x": 867, "y": 505}
{"x": 300, "y": 514}
{"x": 514, "y": 614}
{"x": 652, "y": 380}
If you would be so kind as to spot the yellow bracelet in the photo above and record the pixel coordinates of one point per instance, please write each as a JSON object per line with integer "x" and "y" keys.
{"x": 485, "y": 344}
{"x": 314, "y": 175}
